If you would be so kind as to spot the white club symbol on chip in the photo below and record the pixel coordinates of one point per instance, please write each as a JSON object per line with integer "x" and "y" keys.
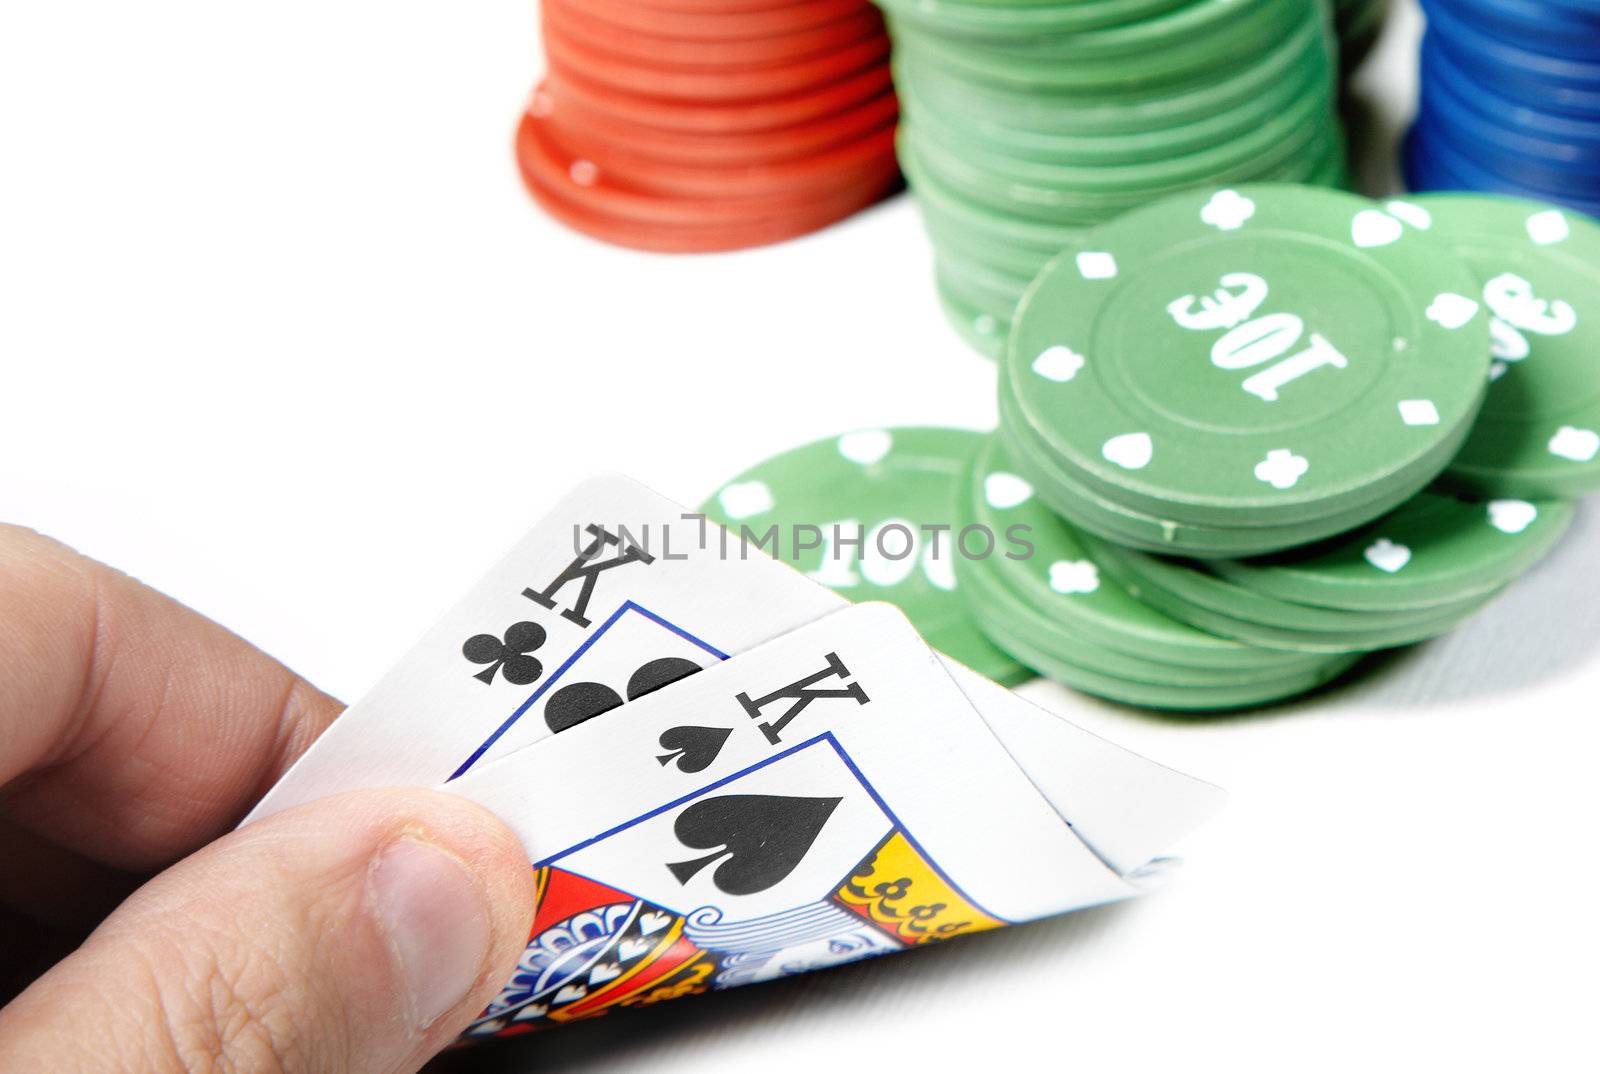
{"x": 1131, "y": 451}
{"x": 1059, "y": 363}
{"x": 1227, "y": 210}
{"x": 866, "y": 447}
{"x": 1096, "y": 265}
{"x": 745, "y": 499}
{"x": 1003, "y": 491}
{"x": 1419, "y": 412}
{"x": 1512, "y": 516}
{"x": 1387, "y": 556}
{"x": 1548, "y": 227}
{"x": 1282, "y": 468}
{"x": 1579, "y": 445}
{"x": 1069, "y": 576}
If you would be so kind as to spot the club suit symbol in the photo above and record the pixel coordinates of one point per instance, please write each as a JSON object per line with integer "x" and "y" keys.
{"x": 507, "y": 654}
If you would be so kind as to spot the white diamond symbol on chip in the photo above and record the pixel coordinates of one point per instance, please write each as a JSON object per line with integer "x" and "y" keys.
{"x": 1282, "y": 468}
{"x": 1419, "y": 412}
{"x": 745, "y": 499}
{"x": 584, "y": 172}
{"x": 1548, "y": 227}
{"x": 1096, "y": 265}
{"x": 1227, "y": 210}
{"x": 1059, "y": 363}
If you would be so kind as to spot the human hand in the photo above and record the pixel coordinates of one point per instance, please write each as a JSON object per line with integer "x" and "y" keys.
{"x": 356, "y": 933}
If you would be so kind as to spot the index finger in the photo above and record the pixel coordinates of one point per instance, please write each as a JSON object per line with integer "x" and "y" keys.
{"x": 132, "y": 729}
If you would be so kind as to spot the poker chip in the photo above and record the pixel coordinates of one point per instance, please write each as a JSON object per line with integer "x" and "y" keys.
{"x": 883, "y": 504}
{"x": 1509, "y": 101}
{"x": 1286, "y": 360}
{"x": 688, "y": 126}
{"x": 1434, "y": 550}
{"x": 1056, "y": 611}
{"x": 1538, "y": 267}
{"x": 1026, "y": 124}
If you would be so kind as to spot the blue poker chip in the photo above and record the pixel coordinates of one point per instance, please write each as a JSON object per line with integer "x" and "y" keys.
{"x": 1471, "y": 43}
{"x": 1545, "y": 26}
{"x": 1511, "y": 140}
{"x": 1526, "y": 91}
{"x": 1431, "y": 163}
{"x": 1509, "y": 101}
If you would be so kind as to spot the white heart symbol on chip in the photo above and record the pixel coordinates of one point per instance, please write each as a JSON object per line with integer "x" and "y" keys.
{"x": 1511, "y": 516}
{"x": 1131, "y": 451}
{"x": 1059, "y": 363}
{"x": 1069, "y": 576}
{"x": 1579, "y": 445}
{"x": 1003, "y": 491}
{"x": 1451, "y": 310}
{"x": 1387, "y": 556}
{"x": 865, "y": 447}
{"x": 745, "y": 499}
{"x": 1372, "y": 227}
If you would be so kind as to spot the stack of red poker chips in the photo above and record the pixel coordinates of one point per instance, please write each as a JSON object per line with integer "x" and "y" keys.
{"x": 701, "y": 125}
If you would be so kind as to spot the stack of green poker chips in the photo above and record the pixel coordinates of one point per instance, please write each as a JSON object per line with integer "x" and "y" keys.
{"x": 1238, "y": 371}
{"x": 882, "y": 503}
{"x": 1025, "y": 123}
{"x": 1539, "y": 270}
{"x": 1413, "y": 575}
{"x": 1056, "y": 610}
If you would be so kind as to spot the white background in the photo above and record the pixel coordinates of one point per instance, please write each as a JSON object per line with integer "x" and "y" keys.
{"x": 282, "y": 335}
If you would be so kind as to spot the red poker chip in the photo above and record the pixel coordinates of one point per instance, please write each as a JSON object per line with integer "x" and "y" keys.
{"x": 721, "y": 117}
{"x": 573, "y": 20}
{"x": 713, "y": 237}
{"x": 710, "y": 84}
{"x": 607, "y": 139}
{"x": 868, "y": 155}
{"x": 704, "y": 24}
{"x": 551, "y": 166}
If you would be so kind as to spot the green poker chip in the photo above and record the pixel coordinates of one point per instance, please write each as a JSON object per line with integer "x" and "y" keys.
{"x": 1023, "y": 125}
{"x": 1061, "y": 582}
{"x": 1538, "y": 268}
{"x": 1075, "y": 666}
{"x": 1258, "y": 356}
{"x": 1088, "y": 510}
{"x": 1189, "y": 592}
{"x": 894, "y": 490}
{"x": 1433, "y": 550}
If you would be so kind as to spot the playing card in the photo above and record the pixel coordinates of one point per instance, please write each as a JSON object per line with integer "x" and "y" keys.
{"x": 617, "y": 591}
{"x": 826, "y": 796}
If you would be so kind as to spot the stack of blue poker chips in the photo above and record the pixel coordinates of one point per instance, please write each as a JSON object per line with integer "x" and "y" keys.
{"x": 1510, "y": 100}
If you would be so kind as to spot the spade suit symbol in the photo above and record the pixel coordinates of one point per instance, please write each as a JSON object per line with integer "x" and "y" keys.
{"x": 694, "y": 748}
{"x": 759, "y": 838}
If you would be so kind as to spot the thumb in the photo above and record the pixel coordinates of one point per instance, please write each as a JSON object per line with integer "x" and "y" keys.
{"x": 360, "y": 932}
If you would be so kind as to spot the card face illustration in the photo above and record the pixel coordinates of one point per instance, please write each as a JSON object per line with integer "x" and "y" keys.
{"x": 792, "y": 866}
{"x": 827, "y": 796}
